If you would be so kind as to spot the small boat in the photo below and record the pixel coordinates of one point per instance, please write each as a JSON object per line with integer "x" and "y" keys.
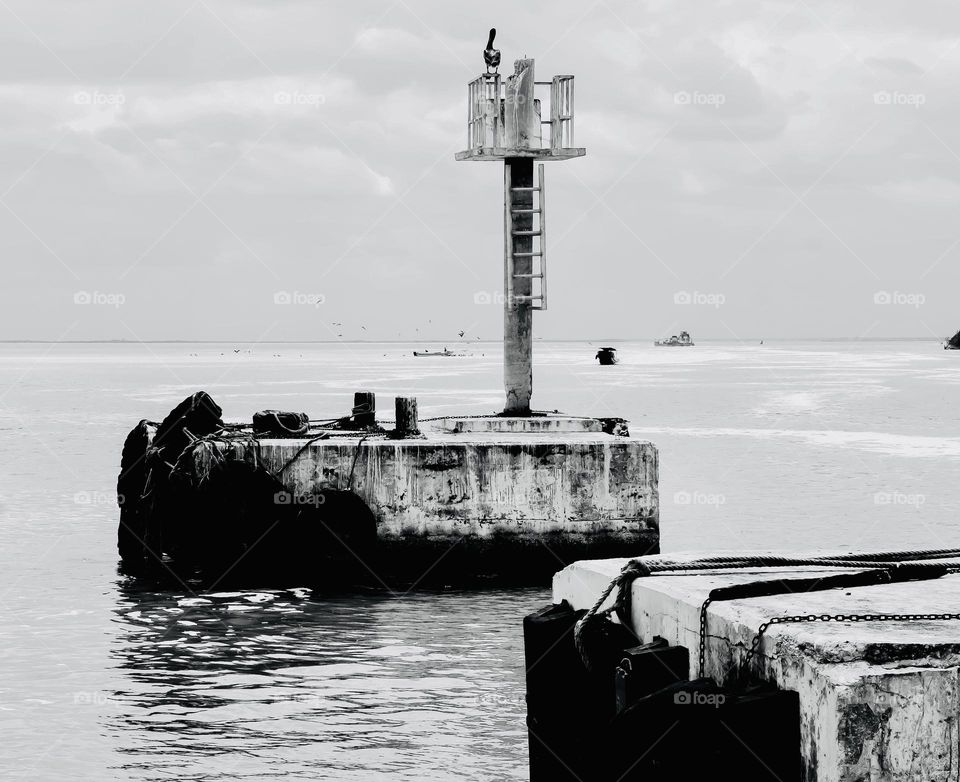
{"x": 683, "y": 341}
{"x": 432, "y": 353}
{"x": 953, "y": 343}
{"x": 607, "y": 356}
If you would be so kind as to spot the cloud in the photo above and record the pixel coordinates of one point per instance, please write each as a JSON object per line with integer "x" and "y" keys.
{"x": 307, "y": 123}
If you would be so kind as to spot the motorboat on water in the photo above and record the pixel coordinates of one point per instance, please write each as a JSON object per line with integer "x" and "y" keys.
{"x": 683, "y": 341}
{"x": 432, "y": 353}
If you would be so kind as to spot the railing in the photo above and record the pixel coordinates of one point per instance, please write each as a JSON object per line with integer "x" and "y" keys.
{"x": 485, "y": 112}
{"x": 484, "y": 128}
{"x": 561, "y": 112}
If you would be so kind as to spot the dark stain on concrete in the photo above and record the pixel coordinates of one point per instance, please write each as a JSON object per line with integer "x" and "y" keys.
{"x": 878, "y": 654}
{"x": 443, "y": 459}
{"x": 809, "y": 761}
{"x": 860, "y": 724}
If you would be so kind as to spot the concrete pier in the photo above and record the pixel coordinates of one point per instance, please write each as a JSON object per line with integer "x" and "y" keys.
{"x": 497, "y": 496}
{"x": 879, "y": 700}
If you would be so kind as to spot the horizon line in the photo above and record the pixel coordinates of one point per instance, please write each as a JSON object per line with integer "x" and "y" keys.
{"x": 449, "y": 342}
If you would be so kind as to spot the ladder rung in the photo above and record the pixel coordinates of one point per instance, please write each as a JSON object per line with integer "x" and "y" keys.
{"x": 525, "y": 233}
{"x": 526, "y": 298}
{"x": 526, "y": 211}
{"x": 532, "y": 276}
{"x": 526, "y": 255}
{"x": 525, "y": 189}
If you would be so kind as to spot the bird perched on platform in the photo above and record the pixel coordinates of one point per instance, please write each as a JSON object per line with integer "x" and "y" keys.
{"x": 491, "y": 56}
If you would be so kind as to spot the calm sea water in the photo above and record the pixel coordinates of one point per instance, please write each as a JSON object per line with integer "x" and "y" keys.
{"x": 789, "y": 445}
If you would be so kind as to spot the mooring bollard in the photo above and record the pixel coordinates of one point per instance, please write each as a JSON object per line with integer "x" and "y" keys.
{"x": 364, "y": 409}
{"x": 406, "y": 416}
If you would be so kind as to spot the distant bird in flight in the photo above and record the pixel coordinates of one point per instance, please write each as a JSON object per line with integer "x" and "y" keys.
{"x": 461, "y": 333}
{"x": 491, "y": 56}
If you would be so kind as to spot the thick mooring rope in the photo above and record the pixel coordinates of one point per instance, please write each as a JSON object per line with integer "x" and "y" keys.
{"x": 641, "y": 568}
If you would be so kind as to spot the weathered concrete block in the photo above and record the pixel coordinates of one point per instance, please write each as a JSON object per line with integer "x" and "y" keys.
{"x": 555, "y": 497}
{"x": 878, "y": 700}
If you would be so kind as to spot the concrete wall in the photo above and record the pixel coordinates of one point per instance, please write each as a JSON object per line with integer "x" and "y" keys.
{"x": 573, "y": 485}
{"x": 878, "y": 700}
{"x": 458, "y": 507}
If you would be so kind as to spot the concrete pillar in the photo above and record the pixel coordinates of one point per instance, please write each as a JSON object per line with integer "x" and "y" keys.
{"x": 521, "y": 119}
{"x": 518, "y": 319}
{"x": 364, "y": 409}
{"x": 406, "y": 416}
{"x": 521, "y": 131}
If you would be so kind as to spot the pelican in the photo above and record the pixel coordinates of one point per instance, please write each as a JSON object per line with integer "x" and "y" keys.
{"x": 491, "y": 56}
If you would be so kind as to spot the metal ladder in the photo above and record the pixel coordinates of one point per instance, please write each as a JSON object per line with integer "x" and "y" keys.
{"x": 537, "y": 254}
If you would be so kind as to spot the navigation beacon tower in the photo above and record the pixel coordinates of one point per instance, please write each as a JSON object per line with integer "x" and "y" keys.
{"x": 505, "y": 122}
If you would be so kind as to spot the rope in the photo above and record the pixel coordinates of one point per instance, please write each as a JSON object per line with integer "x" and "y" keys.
{"x": 639, "y": 568}
{"x": 761, "y": 561}
{"x": 302, "y": 429}
{"x": 356, "y": 455}
{"x": 307, "y": 444}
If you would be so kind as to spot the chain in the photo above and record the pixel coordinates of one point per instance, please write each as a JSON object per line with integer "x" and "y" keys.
{"x": 777, "y": 620}
{"x": 703, "y": 634}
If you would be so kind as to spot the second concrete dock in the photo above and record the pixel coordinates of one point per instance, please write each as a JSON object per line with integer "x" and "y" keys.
{"x": 879, "y": 698}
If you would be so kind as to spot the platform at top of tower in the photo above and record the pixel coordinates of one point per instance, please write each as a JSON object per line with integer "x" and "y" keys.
{"x": 520, "y": 117}
{"x": 502, "y": 153}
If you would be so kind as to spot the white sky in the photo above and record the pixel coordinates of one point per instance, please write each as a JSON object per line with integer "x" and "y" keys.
{"x": 788, "y": 165}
